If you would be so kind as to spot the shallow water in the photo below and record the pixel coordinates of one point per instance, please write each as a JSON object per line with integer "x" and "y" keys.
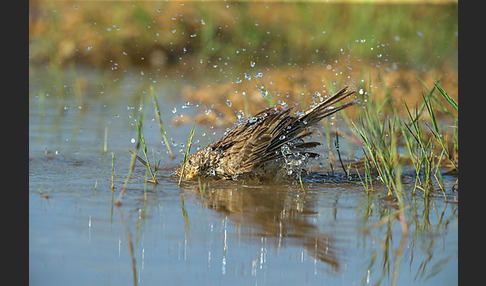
{"x": 331, "y": 233}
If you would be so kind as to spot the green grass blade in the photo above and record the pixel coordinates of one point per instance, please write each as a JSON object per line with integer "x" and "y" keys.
{"x": 144, "y": 150}
{"x": 446, "y": 96}
{"x": 186, "y": 155}
{"x": 132, "y": 161}
{"x": 130, "y": 170}
{"x": 161, "y": 124}
{"x": 112, "y": 172}
{"x": 301, "y": 184}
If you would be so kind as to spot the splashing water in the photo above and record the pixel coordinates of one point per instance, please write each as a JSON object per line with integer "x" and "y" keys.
{"x": 295, "y": 162}
{"x": 240, "y": 115}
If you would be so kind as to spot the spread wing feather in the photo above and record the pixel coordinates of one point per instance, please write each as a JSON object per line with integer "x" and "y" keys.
{"x": 261, "y": 139}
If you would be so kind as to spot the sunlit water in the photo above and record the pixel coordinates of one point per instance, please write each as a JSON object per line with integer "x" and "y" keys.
{"x": 329, "y": 234}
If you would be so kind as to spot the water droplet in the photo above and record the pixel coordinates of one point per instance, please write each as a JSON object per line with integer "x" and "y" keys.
{"x": 247, "y": 76}
{"x": 207, "y": 111}
{"x": 132, "y": 140}
{"x": 264, "y": 92}
{"x": 174, "y": 110}
{"x": 228, "y": 102}
{"x": 238, "y": 80}
{"x": 193, "y": 35}
{"x": 240, "y": 115}
{"x": 252, "y": 64}
{"x": 89, "y": 48}
{"x": 361, "y": 91}
{"x": 379, "y": 55}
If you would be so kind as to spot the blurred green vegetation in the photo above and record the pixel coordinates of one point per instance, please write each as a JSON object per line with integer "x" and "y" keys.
{"x": 201, "y": 34}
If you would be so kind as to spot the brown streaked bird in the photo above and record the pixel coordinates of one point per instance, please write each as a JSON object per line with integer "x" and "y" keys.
{"x": 261, "y": 146}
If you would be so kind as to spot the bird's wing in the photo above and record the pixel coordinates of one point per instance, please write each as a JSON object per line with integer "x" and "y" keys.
{"x": 252, "y": 145}
{"x": 296, "y": 125}
{"x": 261, "y": 139}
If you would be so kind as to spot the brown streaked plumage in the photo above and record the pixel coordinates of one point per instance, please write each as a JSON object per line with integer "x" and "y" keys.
{"x": 256, "y": 148}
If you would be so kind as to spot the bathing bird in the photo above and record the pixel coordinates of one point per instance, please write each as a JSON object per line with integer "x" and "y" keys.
{"x": 268, "y": 145}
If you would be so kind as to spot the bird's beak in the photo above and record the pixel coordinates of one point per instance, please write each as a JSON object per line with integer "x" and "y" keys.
{"x": 190, "y": 175}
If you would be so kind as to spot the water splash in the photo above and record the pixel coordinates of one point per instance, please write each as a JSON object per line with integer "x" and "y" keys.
{"x": 240, "y": 115}
{"x": 295, "y": 162}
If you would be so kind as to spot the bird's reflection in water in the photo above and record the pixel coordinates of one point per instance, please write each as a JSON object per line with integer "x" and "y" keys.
{"x": 280, "y": 212}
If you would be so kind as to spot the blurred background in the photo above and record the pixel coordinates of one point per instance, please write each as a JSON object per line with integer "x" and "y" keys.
{"x": 186, "y": 33}
{"x": 290, "y": 48}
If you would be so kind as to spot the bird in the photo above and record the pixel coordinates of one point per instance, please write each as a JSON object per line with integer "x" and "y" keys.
{"x": 266, "y": 146}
